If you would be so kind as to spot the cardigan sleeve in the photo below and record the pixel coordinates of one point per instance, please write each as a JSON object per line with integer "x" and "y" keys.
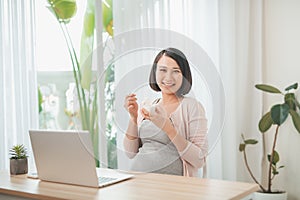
{"x": 131, "y": 147}
{"x": 196, "y": 150}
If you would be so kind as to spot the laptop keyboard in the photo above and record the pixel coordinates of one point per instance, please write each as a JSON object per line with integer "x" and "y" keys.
{"x": 103, "y": 179}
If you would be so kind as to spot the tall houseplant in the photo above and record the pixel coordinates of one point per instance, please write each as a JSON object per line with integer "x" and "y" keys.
{"x": 86, "y": 89}
{"x": 275, "y": 117}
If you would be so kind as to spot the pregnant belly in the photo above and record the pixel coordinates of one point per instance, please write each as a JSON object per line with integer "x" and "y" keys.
{"x": 160, "y": 160}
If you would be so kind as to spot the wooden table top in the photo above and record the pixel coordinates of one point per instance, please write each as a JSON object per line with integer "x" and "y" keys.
{"x": 142, "y": 186}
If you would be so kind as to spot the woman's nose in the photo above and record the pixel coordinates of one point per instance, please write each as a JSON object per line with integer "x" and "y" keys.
{"x": 169, "y": 76}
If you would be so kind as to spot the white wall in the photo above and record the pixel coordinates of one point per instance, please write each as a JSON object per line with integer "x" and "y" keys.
{"x": 282, "y": 62}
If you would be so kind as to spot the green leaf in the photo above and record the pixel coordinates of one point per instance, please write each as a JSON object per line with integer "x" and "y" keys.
{"x": 64, "y": 9}
{"x": 282, "y": 166}
{"x": 297, "y": 104}
{"x": 279, "y": 113}
{"x": 18, "y": 151}
{"x": 251, "y": 141}
{"x": 275, "y": 158}
{"x": 89, "y": 23}
{"x": 109, "y": 74}
{"x": 107, "y": 16}
{"x": 289, "y": 98}
{"x": 40, "y": 100}
{"x": 265, "y": 123}
{"x": 86, "y": 64}
{"x": 296, "y": 119}
{"x": 86, "y": 46}
{"x": 242, "y": 147}
{"x": 275, "y": 172}
{"x": 294, "y": 86}
{"x": 267, "y": 88}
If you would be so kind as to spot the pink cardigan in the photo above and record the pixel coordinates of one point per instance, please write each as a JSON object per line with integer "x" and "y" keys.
{"x": 190, "y": 121}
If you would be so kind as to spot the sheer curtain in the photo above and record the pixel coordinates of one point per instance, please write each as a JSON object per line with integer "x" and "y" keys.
{"x": 230, "y": 32}
{"x": 18, "y": 89}
{"x": 241, "y": 66}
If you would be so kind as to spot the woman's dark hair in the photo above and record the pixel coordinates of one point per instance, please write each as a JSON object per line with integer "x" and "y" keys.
{"x": 183, "y": 64}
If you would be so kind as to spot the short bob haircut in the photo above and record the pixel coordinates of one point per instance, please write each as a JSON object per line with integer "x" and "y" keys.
{"x": 183, "y": 64}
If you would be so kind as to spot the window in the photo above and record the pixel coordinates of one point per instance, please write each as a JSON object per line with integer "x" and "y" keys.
{"x": 55, "y": 77}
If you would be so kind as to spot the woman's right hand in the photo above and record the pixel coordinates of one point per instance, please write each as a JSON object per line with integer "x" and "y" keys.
{"x": 131, "y": 105}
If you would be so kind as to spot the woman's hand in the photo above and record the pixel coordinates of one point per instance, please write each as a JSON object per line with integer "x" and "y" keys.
{"x": 131, "y": 106}
{"x": 157, "y": 115}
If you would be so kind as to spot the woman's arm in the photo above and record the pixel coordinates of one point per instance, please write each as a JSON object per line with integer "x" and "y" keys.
{"x": 131, "y": 141}
{"x": 193, "y": 149}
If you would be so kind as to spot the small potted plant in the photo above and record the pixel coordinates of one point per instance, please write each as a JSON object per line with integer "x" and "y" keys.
{"x": 18, "y": 160}
{"x": 275, "y": 117}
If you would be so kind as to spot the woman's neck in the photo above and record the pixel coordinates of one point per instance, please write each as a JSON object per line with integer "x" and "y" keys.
{"x": 169, "y": 99}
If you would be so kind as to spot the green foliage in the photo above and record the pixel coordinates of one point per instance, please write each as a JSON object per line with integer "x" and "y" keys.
{"x": 294, "y": 86}
{"x": 86, "y": 86}
{"x": 277, "y": 115}
{"x": 279, "y": 112}
{"x": 40, "y": 100}
{"x": 243, "y": 145}
{"x": 18, "y": 152}
{"x": 109, "y": 110}
{"x": 87, "y": 45}
{"x": 296, "y": 119}
{"x": 107, "y": 16}
{"x": 275, "y": 159}
{"x": 63, "y": 11}
{"x": 265, "y": 123}
{"x": 267, "y": 88}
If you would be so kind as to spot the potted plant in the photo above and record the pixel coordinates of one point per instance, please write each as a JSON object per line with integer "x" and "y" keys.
{"x": 275, "y": 117}
{"x": 18, "y": 160}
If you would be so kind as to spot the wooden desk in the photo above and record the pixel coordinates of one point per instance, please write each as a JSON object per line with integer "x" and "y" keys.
{"x": 142, "y": 186}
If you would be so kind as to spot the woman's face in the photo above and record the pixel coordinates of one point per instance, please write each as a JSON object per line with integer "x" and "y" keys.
{"x": 168, "y": 75}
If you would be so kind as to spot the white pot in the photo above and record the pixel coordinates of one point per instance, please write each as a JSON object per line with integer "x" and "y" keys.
{"x": 269, "y": 196}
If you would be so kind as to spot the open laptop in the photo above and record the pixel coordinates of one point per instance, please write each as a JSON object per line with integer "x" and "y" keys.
{"x": 67, "y": 157}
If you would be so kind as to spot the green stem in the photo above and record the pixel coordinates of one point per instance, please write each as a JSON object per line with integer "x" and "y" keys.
{"x": 95, "y": 137}
{"x": 94, "y": 126}
{"x": 85, "y": 117}
{"x": 69, "y": 45}
{"x": 271, "y": 160}
{"x": 94, "y": 109}
{"x": 250, "y": 172}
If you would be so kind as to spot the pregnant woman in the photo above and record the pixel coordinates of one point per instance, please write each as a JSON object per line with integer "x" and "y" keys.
{"x": 170, "y": 137}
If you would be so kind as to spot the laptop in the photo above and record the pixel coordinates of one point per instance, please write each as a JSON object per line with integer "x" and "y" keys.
{"x": 67, "y": 157}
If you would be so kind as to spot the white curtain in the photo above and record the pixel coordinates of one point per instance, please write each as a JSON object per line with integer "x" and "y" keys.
{"x": 241, "y": 31}
{"x": 230, "y": 32}
{"x": 18, "y": 88}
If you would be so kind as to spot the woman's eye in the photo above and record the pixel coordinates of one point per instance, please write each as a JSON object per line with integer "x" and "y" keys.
{"x": 177, "y": 71}
{"x": 163, "y": 70}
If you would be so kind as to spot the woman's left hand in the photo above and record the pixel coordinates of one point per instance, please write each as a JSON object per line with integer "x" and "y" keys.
{"x": 157, "y": 115}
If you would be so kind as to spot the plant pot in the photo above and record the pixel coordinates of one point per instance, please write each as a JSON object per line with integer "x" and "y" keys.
{"x": 18, "y": 166}
{"x": 269, "y": 196}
